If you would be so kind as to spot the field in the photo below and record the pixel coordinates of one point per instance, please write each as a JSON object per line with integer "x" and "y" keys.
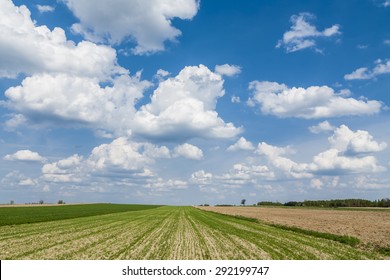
{"x": 371, "y": 226}
{"x": 166, "y": 232}
{"x": 15, "y": 215}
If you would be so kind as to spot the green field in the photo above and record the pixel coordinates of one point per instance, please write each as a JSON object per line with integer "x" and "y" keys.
{"x": 166, "y": 232}
{"x": 33, "y": 214}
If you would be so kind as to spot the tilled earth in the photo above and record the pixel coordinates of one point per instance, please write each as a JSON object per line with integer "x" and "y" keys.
{"x": 371, "y": 227}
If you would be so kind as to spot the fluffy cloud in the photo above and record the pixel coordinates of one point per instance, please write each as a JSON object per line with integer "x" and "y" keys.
{"x": 148, "y": 22}
{"x": 276, "y": 158}
{"x": 188, "y": 151}
{"x": 227, "y": 70}
{"x": 241, "y": 144}
{"x": 308, "y": 103}
{"x": 120, "y": 158}
{"x": 303, "y": 34}
{"x": 67, "y": 98}
{"x": 381, "y": 67}
{"x": 331, "y": 162}
{"x": 348, "y": 141}
{"x": 183, "y": 107}
{"x": 25, "y": 155}
{"x": 347, "y": 154}
{"x": 201, "y": 177}
{"x": 66, "y": 170}
{"x": 324, "y": 126}
{"x": 27, "y": 48}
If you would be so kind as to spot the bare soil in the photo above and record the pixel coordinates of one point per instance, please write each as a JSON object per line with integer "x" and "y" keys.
{"x": 371, "y": 227}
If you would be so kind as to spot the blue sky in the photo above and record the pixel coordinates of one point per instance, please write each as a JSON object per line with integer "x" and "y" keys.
{"x": 195, "y": 101}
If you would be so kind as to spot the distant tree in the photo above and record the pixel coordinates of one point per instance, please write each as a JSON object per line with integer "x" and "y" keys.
{"x": 41, "y": 201}
{"x": 61, "y": 201}
{"x": 243, "y": 202}
{"x": 12, "y": 202}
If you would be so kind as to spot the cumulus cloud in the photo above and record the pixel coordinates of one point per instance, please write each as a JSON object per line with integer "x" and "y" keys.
{"x": 241, "y": 144}
{"x": 347, "y": 154}
{"x": 324, "y": 126}
{"x": 28, "y": 48}
{"x": 148, "y": 23}
{"x": 183, "y": 107}
{"x": 277, "y": 158}
{"x": 308, "y": 103}
{"x": 201, "y": 177}
{"x": 25, "y": 155}
{"x": 354, "y": 142}
{"x": 66, "y": 170}
{"x": 227, "y": 70}
{"x": 363, "y": 73}
{"x": 188, "y": 151}
{"x": 303, "y": 34}
{"x": 120, "y": 158}
{"x": 67, "y": 98}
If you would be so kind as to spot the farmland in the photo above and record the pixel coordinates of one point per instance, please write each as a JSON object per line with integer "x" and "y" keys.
{"x": 166, "y": 232}
{"x": 371, "y": 226}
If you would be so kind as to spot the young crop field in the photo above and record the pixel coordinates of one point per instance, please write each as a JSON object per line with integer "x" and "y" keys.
{"x": 24, "y": 214}
{"x": 167, "y": 232}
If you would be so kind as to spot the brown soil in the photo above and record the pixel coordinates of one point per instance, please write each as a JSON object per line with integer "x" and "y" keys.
{"x": 371, "y": 227}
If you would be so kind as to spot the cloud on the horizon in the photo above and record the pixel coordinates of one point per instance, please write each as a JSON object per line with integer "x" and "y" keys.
{"x": 303, "y": 34}
{"x": 148, "y": 23}
{"x": 307, "y": 103}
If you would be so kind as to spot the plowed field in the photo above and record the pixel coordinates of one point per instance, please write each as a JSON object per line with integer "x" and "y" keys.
{"x": 371, "y": 227}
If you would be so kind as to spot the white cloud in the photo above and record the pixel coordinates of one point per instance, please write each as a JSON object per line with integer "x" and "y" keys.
{"x": 45, "y": 8}
{"x": 276, "y": 158}
{"x": 346, "y": 155}
{"x": 201, "y": 177}
{"x": 66, "y": 170}
{"x": 122, "y": 158}
{"x": 183, "y": 107}
{"x": 308, "y": 103}
{"x": 303, "y": 34}
{"x": 366, "y": 74}
{"x": 188, "y": 151}
{"x": 386, "y": 42}
{"x": 148, "y": 23}
{"x": 25, "y": 155}
{"x": 79, "y": 100}
{"x": 324, "y": 126}
{"x": 241, "y": 144}
{"x": 28, "y": 48}
{"x": 346, "y": 140}
{"x": 227, "y": 70}
{"x": 332, "y": 162}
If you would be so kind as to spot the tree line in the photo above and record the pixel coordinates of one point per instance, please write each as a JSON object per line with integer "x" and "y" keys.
{"x": 385, "y": 202}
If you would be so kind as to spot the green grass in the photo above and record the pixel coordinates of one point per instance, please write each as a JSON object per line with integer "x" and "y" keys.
{"x": 35, "y": 214}
{"x": 344, "y": 239}
{"x": 169, "y": 232}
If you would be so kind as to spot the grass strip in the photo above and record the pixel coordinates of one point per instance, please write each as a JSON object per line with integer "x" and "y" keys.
{"x": 27, "y": 215}
{"x": 344, "y": 239}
